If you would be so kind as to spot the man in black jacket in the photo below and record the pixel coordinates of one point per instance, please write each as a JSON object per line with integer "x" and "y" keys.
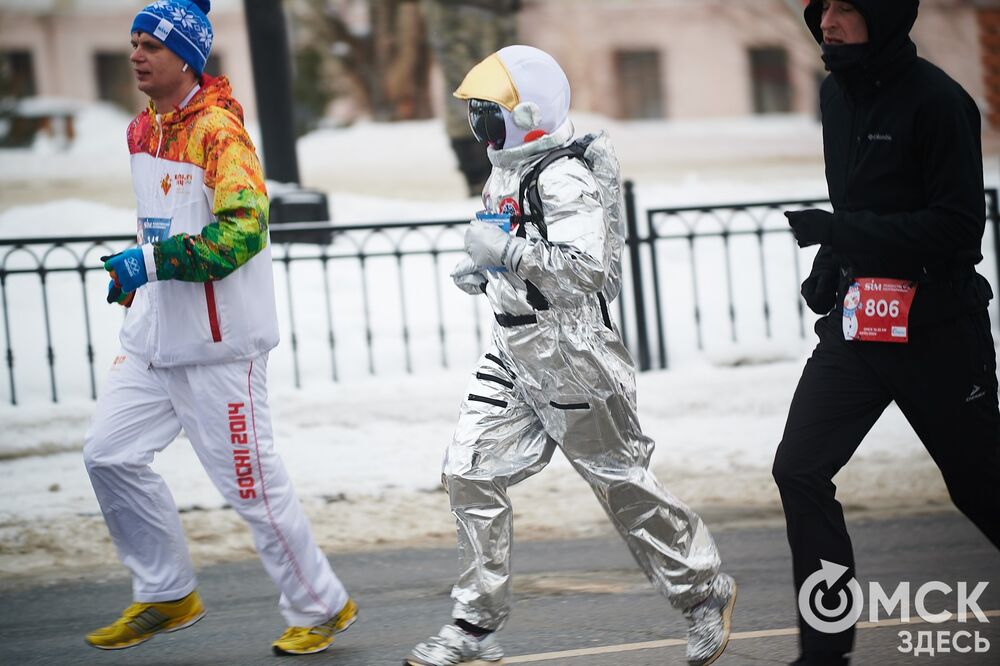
{"x": 906, "y": 317}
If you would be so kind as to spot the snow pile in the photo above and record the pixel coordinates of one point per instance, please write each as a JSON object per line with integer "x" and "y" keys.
{"x": 365, "y": 460}
{"x": 413, "y": 160}
{"x": 98, "y": 152}
{"x": 66, "y": 217}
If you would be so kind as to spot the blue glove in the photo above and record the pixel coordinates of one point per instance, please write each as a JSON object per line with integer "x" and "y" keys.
{"x": 127, "y": 269}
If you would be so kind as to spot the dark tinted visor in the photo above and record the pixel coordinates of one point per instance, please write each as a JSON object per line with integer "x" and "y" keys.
{"x": 486, "y": 120}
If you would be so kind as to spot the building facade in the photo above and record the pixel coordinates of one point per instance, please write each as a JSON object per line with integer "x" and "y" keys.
{"x": 627, "y": 59}
{"x": 79, "y": 49}
{"x": 710, "y": 58}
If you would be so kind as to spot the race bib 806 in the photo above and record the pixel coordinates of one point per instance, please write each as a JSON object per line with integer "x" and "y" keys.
{"x": 878, "y": 310}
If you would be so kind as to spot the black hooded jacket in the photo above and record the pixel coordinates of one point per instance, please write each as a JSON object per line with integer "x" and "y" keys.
{"x": 904, "y": 167}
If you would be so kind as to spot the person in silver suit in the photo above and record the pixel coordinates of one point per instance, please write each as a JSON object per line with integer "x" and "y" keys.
{"x": 556, "y": 374}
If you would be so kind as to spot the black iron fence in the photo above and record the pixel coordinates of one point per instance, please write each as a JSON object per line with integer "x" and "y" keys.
{"x": 387, "y": 297}
{"x": 375, "y": 299}
{"x": 732, "y": 271}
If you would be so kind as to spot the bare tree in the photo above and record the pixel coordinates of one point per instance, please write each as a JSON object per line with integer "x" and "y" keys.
{"x": 371, "y": 52}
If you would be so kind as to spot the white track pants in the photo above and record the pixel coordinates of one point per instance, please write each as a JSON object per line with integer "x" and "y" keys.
{"x": 223, "y": 410}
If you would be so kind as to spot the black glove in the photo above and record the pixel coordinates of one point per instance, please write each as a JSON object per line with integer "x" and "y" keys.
{"x": 820, "y": 290}
{"x": 116, "y": 295}
{"x": 811, "y": 226}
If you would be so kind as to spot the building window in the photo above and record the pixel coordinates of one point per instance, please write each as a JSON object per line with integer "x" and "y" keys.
{"x": 115, "y": 80}
{"x": 772, "y": 86}
{"x": 17, "y": 74}
{"x": 640, "y": 90}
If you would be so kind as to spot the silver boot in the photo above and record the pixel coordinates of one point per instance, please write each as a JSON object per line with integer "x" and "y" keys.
{"x": 452, "y": 645}
{"x": 710, "y": 621}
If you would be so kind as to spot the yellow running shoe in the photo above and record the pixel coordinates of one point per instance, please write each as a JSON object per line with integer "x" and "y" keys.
{"x": 309, "y": 640}
{"x": 142, "y": 620}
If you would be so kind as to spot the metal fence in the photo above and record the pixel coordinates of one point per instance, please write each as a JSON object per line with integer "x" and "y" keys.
{"x": 376, "y": 299}
{"x": 404, "y": 304}
{"x": 724, "y": 257}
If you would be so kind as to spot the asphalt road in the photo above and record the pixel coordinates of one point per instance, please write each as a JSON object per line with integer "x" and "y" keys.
{"x": 581, "y": 596}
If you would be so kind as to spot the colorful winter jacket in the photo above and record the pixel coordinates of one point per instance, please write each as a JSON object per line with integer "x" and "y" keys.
{"x": 202, "y": 224}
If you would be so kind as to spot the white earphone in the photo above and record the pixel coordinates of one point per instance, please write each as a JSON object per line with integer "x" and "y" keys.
{"x": 184, "y": 68}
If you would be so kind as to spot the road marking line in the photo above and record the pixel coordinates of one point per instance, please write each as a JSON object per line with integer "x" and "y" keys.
{"x": 674, "y": 642}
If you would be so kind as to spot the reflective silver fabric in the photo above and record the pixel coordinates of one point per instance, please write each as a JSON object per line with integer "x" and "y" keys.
{"x": 451, "y": 645}
{"x": 709, "y": 622}
{"x": 566, "y": 381}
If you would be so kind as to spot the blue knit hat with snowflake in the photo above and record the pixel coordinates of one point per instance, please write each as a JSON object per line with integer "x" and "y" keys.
{"x": 182, "y": 26}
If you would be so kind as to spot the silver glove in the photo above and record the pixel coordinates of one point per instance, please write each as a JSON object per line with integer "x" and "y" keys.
{"x": 468, "y": 277}
{"x": 491, "y": 247}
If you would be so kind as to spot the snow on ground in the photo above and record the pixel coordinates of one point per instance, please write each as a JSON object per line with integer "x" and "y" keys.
{"x": 365, "y": 453}
{"x": 366, "y": 462}
{"x": 412, "y": 161}
{"x": 98, "y": 151}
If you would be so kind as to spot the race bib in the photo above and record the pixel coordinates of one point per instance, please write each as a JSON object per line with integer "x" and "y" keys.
{"x": 153, "y": 229}
{"x": 878, "y": 310}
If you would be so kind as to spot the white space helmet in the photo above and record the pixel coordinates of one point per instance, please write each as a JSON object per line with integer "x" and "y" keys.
{"x": 530, "y": 87}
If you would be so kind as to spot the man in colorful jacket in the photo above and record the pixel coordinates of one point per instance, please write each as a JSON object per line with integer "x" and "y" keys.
{"x": 195, "y": 341}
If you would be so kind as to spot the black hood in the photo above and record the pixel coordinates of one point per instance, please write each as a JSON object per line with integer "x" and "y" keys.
{"x": 889, "y": 24}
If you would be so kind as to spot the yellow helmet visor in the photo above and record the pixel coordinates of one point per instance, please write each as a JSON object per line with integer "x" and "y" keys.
{"x": 490, "y": 80}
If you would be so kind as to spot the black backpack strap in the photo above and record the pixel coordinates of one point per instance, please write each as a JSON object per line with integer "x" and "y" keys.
{"x": 529, "y": 187}
{"x": 528, "y": 193}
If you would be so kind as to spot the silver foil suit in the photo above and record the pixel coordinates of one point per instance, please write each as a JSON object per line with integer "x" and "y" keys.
{"x": 565, "y": 381}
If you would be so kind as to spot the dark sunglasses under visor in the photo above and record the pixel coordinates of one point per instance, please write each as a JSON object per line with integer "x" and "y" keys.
{"x": 486, "y": 121}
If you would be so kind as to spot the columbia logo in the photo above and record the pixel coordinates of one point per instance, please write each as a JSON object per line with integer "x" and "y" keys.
{"x": 977, "y": 392}
{"x": 880, "y": 137}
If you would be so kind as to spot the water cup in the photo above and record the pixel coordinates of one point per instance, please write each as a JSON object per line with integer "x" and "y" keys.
{"x": 501, "y": 220}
